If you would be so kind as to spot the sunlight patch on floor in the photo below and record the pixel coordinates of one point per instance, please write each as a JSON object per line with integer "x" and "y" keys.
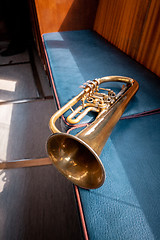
{"x": 3, "y": 180}
{"x": 5, "y": 117}
{"x": 7, "y": 85}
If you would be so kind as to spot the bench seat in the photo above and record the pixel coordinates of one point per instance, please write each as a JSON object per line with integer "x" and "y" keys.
{"x": 77, "y": 56}
{"x": 127, "y": 205}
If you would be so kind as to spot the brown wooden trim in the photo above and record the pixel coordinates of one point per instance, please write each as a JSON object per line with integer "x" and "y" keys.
{"x": 25, "y": 163}
{"x": 66, "y": 15}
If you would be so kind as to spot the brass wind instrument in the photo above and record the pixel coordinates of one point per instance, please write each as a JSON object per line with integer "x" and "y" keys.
{"x": 77, "y": 157}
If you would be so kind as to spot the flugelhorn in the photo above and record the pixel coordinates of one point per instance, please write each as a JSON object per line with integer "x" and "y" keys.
{"x": 77, "y": 157}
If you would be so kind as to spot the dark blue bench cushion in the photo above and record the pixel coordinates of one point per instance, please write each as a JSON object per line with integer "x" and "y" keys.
{"x": 77, "y": 56}
{"x": 127, "y": 206}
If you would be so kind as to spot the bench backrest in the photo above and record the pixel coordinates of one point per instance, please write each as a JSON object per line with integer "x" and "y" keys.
{"x": 134, "y": 27}
{"x": 131, "y": 25}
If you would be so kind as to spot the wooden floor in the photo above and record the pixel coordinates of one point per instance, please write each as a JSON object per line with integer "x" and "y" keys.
{"x": 35, "y": 202}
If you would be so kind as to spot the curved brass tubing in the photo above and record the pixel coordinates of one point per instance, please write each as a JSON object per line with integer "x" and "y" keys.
{"x": 77, "y": 157}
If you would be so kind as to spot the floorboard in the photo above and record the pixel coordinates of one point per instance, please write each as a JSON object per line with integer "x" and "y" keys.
{"x": 16, "y": 82}
{"x": 24, "y": 129}
{"x": 36, "y": 203}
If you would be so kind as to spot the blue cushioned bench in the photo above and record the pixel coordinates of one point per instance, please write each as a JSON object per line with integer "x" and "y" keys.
{"x": 127, "y": 205}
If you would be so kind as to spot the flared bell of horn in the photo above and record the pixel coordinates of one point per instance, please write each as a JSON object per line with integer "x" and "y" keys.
{"x": 76, "y": 160}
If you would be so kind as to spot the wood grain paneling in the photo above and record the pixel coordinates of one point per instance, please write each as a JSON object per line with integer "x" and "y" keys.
{"x": 134, "y": 27}
{"x": 149, "y": 48}
{"x": 65, "y": 15}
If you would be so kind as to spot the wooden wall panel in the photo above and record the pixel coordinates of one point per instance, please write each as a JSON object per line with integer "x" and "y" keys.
{"x": 149, "y": 48}
{"x": 134, "y": 27}
{"x": 65, "y": 15}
